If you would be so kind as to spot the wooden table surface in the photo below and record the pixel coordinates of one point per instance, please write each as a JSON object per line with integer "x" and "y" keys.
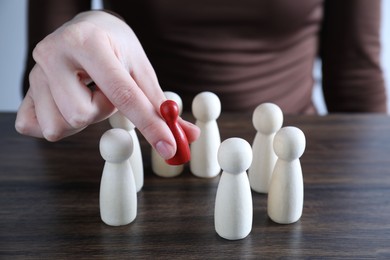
{"x": 49, "y": 194}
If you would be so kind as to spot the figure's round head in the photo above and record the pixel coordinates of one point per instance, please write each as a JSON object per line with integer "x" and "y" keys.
{"x": 235, "y": 155}
{"x": 289, "y": 143}
{"x": 175, "y": 97}
{"x": 118, "y": 120}
{"x": 206, "y": 106}
{"x": 116, "y": 145}
{"x": 267, "y": 118}
{"x": 169, "y": 110}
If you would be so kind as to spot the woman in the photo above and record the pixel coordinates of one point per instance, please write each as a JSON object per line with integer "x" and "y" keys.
{"x": 247, "y": 52}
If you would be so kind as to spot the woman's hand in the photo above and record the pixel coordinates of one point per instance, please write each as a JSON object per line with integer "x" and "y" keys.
{"x": 99, "y": 47}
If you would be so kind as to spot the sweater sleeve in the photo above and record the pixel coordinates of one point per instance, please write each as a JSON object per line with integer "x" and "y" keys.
{"x": 350, "y": 53}
{"x": 44, "y": 16}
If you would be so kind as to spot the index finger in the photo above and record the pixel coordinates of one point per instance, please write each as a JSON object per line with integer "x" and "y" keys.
{"x": 121, "y": 89}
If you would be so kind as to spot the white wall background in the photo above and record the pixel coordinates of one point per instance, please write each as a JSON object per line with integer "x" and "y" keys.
{"x": 12, "y": 52}
{"x": 13, "y": 40}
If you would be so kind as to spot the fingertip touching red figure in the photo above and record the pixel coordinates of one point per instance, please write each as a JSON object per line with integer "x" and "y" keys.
{"x": 170, "y": 112}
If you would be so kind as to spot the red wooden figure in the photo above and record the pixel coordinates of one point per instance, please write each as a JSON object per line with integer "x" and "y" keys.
{"x": 170, "y": 112}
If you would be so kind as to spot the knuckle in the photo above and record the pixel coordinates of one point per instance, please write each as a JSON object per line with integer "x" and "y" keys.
{"x": 80, "y": 118}
{"x": 146, "y": 70}
{"x": 77, "y": 122}
{"x": 22, "y": 126}
{"x": 122, "y": 96}
{"x": 34, "y": 77}
{"x": 150, "y": 128}
{"x": 53, "y": 134}
{"x": 42, "y": 51}
{"x": 82, "y": 35}
{"x": 31, "y": 76}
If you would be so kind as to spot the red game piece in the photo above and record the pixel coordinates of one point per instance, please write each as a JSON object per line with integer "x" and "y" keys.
{"x": 170, "y": 112}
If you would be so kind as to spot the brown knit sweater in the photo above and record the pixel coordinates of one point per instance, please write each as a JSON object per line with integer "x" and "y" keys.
{"x": 250, "y": 51}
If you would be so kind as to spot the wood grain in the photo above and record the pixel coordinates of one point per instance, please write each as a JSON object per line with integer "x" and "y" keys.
{"x": 49, "y": 199}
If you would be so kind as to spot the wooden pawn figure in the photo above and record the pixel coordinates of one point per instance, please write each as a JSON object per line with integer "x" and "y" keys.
{"x": 206, "y": 108}
{"x": 169, "y": 111}
{"x": 118, "y": 195}
{"x": 118, "y": 120}
{"x": 285, "y": 197}
{"x": 233, "y": 214}
{"x": 159, "y": 166}
{"x": 267, "y": 119}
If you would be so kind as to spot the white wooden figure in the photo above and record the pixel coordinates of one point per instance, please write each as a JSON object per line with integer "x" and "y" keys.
{"x": 206, "y": 108}
{"x": 233, "y": 214}
{"x": 285, "y": 197}
{"x": 118, "y": 120}
{"x": 118, "y": 195}
{"x": 159, "y": 166}
{"x": 267, "y": 120}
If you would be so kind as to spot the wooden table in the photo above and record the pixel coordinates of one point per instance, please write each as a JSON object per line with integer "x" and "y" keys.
{"x": 49, "y": 199}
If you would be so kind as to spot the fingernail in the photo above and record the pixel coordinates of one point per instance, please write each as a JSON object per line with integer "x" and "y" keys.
{"x": 165, "y": 150}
